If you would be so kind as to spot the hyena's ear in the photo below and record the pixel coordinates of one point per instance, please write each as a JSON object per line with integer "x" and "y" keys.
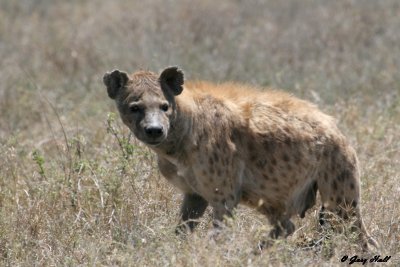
{"x": 171, "y": 79}
{"x": 114, "y": 81}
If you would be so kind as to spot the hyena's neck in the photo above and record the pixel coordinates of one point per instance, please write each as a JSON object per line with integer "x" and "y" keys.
{"x": 179, "y": 137}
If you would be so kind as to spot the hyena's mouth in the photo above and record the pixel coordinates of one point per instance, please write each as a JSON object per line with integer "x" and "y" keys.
{"x": 153, "y": 143}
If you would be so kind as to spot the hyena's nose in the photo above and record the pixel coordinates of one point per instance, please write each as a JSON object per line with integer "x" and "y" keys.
{"x": 154, "y": 131}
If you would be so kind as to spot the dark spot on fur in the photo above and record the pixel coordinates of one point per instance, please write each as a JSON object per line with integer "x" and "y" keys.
{"x": 332, "y": 199}
{"x": 216, "y": 158}
{"x": 273, "y": 161}
{"x": 269, "y": 146}
{"x": 334, "y": 185}
{"x": 271, "y": 169}
{"x": 235, "y": 135}
{"x": 210, "y": 161}
{"x": 338, "y": 200}
{"x": 297, "y": 157}
{"x": 262, "y": 187}
{"x": 219, "y": 173}
{"x": 224, "y": 182}
{"x": 200, "y": 137}
{"x": 250, "y": 146}
{"x": 352, "y": 186}
{"x": 289, "y": 167}
{"x": 354, "y": 203}
{"x": 212, "y": 171}
{"x": 333, "y": 167}
{"x": 232, "y": 197}
{"x": 314, "y": 125}
{"x": 343, "y": 176}
{"x": 288, "y": 140}
{"x": 326, "y": 175}
{"x": 261, "y": 163}
{"x": 227, "y": 161}
{"x": 274, "y": 180}
{"x": 265, "y": 177}
{"x": 224, "y": 148}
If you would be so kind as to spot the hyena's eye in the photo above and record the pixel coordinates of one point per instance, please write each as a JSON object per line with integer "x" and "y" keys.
{"x": 134, "y": 108}
{"x": 164, "y": 107}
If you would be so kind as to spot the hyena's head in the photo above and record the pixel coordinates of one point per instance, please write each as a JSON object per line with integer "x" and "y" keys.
{"x": 146, "y": 101}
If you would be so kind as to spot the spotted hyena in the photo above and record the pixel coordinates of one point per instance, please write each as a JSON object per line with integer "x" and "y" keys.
{"x": 225, "y": 144}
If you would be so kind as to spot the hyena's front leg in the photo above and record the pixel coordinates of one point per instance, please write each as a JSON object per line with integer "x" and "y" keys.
{"x": 193, "y": 207}
{"x": 220, "y": 211}
{"x": 226, "y": 195}
{"x": 223, "y": 205}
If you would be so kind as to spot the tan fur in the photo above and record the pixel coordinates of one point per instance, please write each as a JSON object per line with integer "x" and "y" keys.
{"x": 230, "y": 143}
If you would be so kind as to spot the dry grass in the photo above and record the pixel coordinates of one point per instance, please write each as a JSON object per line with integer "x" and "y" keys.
{"x": 77, "y": 189}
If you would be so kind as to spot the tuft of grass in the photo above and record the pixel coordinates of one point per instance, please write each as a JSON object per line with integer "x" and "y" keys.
{"x": 76, "y": 187}
{"x": 39, "y": 160}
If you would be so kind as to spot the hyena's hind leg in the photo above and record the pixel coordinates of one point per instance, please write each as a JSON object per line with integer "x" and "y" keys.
{"x": 303, "y": 200}
{"x": 348, "y": 213}
{"x": 282, "y": 225}
{"x": 282, "y": 228}
{"x": 340, "y": 194}
{"x": 193, "y": 207}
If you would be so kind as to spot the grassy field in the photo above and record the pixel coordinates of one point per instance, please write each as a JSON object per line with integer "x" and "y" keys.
{"x": 77, "y": 189}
